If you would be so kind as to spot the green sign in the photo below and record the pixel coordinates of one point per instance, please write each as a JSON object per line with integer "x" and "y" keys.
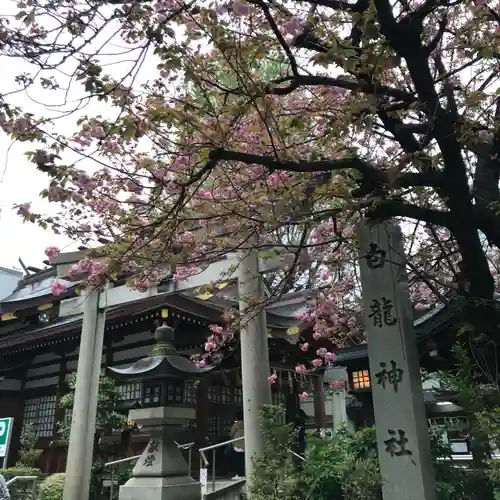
{"x": 6, "y": 425}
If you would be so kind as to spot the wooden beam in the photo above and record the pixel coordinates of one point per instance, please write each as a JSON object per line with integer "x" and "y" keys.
{"x": 222, "y": 270}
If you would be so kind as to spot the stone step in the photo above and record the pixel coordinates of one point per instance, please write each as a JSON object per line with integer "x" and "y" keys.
{"x": 226, "y": 489}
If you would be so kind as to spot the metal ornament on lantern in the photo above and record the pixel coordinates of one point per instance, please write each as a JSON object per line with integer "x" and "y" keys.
{"x": 161, "y": 472}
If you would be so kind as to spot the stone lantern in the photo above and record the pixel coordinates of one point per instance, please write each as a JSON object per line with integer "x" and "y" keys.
{"x": 161, "y": 472}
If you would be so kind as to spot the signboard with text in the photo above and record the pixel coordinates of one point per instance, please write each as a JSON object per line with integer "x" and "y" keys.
{"x": 6, "y": 425}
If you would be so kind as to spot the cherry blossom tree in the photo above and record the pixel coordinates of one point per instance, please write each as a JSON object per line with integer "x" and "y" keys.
{"x": 372, "y": 109}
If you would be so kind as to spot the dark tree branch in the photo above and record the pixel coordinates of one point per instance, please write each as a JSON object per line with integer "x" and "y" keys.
{"x": 487, "y": 173}
{"x": 338, "y": 5}
{"x": 448, "y": 87}
{"x": 371, "y": 175}
{"x": 439, "y": 36}
{"x": 405, "y": 39}
{"x": 279, "y": 37}
{"x": 386, "y": 209}
{"x": 344, "y": 83}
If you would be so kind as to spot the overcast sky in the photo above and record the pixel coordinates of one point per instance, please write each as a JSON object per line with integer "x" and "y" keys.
{"x": 20, "y": 181}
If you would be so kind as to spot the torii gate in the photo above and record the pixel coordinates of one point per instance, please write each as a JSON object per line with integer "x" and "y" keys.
{"x": 247, "y": 270}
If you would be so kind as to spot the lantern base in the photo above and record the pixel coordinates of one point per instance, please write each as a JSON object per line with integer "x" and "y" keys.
{"x": 160, "y": 488}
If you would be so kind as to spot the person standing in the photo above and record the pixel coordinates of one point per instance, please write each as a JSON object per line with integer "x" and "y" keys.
{"x": 300, "y": 438}
{"x": 238, "y": 431}
{"x": 4, "y": 490}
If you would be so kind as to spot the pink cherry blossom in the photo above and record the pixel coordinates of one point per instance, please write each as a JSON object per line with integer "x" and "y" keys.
{"x": 239, "y": 8}
{"x": 336, "y": 384}
{"x": 24, "y": 209}
{"x": 57, "y": 288}
{"x": 304, "y": 347}
{"x": 317, "y": 363}
{"x": 52, "y": 252}
{"x": 273, "y": 378}
{"x": 210, "y": 346}
{"x": 330, "y": 357}
{"x": 321, "y": 352}
{"x": 216, "y": 328}
{"x": 303, "y": 396}
{"x": 293, "y": 26}
{"x": 300, "y": 369}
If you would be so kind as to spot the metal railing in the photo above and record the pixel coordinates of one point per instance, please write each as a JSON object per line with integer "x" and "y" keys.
{"x": 204, "y": 462}
{"x": 189, "y": 447}
{"x": 304, "y": 459}
{"x": 112, "y": 464}
{"x": 25, "y": 478}
{"x": 185, "y": 446}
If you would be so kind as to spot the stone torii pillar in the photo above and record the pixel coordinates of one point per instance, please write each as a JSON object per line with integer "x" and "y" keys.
{"x": 402, "y": 433}
{"x": 81, "y": 441}
{"x": 254, "y": 357}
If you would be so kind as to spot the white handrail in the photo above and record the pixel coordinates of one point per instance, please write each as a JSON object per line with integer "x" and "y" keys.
{"x": 213, "y": 447}
{"x": 25, "y": 478}
{"x": 304, "y": 459}
{"x": 184, "y": 446}
{"x": 218, "y": 445}
{"x": 21, "y": 478}
{"x": 122, "y": 460}
{"x": 203, "y": 457}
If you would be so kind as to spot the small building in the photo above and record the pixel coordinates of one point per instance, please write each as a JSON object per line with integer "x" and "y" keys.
{"x": 436, "y": 335}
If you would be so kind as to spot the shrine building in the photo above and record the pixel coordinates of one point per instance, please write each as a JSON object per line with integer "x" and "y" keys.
{"x": 40, "y": 336}
{"x": 39, "y": 341}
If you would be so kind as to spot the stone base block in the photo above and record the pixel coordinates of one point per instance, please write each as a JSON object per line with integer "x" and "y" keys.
{"x": 160, "y": 488}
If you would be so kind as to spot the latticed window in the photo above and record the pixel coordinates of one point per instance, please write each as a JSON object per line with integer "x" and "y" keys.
{"x": 213, "y": 428}
{"x": 213, "y": 394}
{"x": 174, "y": 393}
{"x": 278, "y": 398}
{"x": 41, "y": 413}
{"x": 151, "y": 395}
{"x": 225, "y": 426}
{"x": 189, "y": 392}
{"x": 361, "y": 379}
{"x": 238, "y": 395}
{"x": 225, "y": 395}
{"x": 130, "y": 391}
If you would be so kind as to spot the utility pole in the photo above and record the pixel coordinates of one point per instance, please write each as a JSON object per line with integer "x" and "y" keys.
{"x": 254, "y": 356}
{"x": 80, "y": 450}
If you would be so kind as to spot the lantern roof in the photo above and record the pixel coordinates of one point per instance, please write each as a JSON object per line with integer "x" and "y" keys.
{"x": 163, "y": 362}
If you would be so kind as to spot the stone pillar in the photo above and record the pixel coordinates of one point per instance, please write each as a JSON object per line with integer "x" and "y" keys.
{"x": 79, "y": 461}
{"x": 402, "y": 433}
{"x": 202, "y": 411}
{"x": 254, "y": 356}
{"x": 319, "y": 402}
{"x": 161, "y": 473}
{"x": 339, "y": 410}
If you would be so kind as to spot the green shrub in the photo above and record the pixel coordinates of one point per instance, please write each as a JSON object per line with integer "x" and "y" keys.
{"x": 346, "y": 467}
{"x": 21, "y": 490}
{"x": 273, "y": 467}
{"x": 19, "y": 471}
{"x": 29, "y": 454}
{"x": 52, "y": 488}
